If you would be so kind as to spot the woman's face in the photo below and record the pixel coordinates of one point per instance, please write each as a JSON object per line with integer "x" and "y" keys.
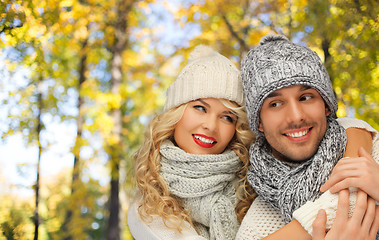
{"x": 206, "y": 127}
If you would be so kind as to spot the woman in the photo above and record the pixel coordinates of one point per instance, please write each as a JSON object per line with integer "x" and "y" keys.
{"x": 195, "y": 154}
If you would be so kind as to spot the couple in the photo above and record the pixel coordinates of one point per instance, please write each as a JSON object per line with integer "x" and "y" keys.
{"x": 198, "y": 167}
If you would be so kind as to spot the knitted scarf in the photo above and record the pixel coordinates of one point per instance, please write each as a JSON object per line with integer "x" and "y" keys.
{"x": 289, "y": 186}
{"x": 205, "y": 183}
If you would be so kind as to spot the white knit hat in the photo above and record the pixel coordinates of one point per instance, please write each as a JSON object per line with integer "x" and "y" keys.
{"x": 207, "y": 74}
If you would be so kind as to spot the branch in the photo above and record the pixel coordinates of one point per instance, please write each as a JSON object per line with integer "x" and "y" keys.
{"x": 234, "y": 33}
{"x": 9, "y": 28}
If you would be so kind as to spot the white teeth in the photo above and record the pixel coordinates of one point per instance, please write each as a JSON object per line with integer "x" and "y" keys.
{"x": 204, "y": 140}
{"x": 297, "y": 134}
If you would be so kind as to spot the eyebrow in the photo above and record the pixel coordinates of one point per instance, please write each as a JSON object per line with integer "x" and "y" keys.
{"x": 305, "y": 87}
{"x": 205, "y": 103}
{"x": 209, "y": 106}
{"x": 275, "y": 94}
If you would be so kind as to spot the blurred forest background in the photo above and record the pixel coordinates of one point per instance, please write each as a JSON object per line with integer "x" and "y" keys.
{"x": 94, "y": 72}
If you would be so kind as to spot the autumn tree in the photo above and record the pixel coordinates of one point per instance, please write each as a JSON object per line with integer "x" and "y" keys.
{"x": 343, "y": 33}
{"x": 24, "y": 32}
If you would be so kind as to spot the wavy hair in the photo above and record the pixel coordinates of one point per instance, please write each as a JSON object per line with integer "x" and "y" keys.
{"x": 242, "y": 141}
{"x": 156, "y": 197}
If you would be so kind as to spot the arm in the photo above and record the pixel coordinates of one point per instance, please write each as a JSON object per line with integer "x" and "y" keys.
{"x": 357, "y": 137}
{"x": 364, "y": 223}
{"x": 292, "y": 230}
{"x": 362, "y": 170}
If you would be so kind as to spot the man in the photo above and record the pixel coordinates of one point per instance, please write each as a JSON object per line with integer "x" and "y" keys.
{"x": 291, "y": 107}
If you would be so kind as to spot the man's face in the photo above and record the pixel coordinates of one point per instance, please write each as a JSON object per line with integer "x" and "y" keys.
{"x": 293, "y": 120}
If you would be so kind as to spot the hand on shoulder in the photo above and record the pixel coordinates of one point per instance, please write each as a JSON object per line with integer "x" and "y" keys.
{"x": 364, "y": 223}
{"x": 361, "y": 172}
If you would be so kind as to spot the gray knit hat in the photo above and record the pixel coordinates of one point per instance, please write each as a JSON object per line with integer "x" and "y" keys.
{"x": 207, "y": 74}
{"x": 277, "y": 63}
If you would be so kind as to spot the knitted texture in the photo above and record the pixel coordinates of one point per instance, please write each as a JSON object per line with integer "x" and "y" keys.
{"x": 205, "y": 184}
{"x": 308, "y": 211}
{"x": 156, "y": 228}
{"x": 277, "y": 63}
{"x": 207, "y": 74}
{"x": 262, "y": 219}
{"x": 287, "y": 187}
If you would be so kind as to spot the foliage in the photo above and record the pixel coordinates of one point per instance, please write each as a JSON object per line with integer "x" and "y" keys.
{"x": 65, "y": 50}
{"x": 15, "y": 218}
{"x": 344, "y": 33}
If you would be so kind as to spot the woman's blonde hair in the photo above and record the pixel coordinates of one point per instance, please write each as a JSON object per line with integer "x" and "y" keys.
{"x": 156, "y": 197}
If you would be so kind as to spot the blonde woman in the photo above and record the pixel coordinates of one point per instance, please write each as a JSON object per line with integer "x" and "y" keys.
{"x": 194, "y": 156}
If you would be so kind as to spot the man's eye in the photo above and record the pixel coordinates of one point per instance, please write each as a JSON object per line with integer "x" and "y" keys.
{"x": 200, "y": 108}
{"x": 276, "y": 104}
{"x": 305, "y": 98}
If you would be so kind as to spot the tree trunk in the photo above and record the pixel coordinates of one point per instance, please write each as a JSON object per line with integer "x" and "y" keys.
{"x": 120, "y": 44}
{"x": 325, "y": 47}
{"x": 79, "y": 122}
{"x": 39, "y": 129}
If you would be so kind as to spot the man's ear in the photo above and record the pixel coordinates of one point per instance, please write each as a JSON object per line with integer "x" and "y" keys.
{"x": 327, "y": 111}
{"x": 260, "y": 127}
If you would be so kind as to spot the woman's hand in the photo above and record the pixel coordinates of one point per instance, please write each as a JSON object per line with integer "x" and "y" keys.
{"x": 361, "y": 172}
{"x": 364, "y": 223}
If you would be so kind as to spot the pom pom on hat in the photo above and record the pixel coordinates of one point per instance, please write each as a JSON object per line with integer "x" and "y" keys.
{"x": 207, "y": 74}
{"x": 271, "y": 38}
{"x": 201, "y": 51}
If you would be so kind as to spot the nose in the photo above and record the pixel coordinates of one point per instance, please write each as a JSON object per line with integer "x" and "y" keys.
{"x": 295, "y": 112}
{"x": 210, "y": 123}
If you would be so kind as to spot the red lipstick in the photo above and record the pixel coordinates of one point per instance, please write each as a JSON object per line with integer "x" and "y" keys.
{"x": 204, "y": 141}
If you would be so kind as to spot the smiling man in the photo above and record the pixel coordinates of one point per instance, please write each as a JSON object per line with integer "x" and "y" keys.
{"x": 291, "y": 106}
{"x": 293, "y": 120}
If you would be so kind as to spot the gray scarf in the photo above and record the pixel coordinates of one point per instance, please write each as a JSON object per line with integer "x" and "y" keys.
{"x": 288, "y": 187}
{"x": 205, "y": 183}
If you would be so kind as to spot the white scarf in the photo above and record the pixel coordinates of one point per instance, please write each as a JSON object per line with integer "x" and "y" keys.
{"x": 205, "y": 183}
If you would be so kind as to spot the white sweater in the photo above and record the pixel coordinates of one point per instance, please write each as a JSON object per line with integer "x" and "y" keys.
{"x": 156, "y": 230}
{"x": 262, "y": 219}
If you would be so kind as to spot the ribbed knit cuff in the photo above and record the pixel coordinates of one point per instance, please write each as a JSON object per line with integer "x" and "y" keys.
{"x": 307, "y": 213}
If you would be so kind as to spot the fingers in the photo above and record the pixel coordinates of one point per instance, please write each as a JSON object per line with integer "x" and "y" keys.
{"x": 351, "y": 172}
{"x": 345, "y": 168}
{"x": 363, "y": 153}
{"x": 344, "y": 184}
{"x": 360, "y": 208}
{"x": 369, "y": 215}
{"x": 318, "y": 226}
{"x": 375, "y": 226}
{"x": 338, "y": 181}
{"x": 342, "y": 207}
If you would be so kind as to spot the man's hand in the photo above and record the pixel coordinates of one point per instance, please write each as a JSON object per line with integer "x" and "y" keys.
{"x": 364, "y": 223}
{"x": 361, "y": 172}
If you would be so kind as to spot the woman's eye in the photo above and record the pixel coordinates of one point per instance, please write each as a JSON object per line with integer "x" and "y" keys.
{"x": 305, "y": 98}
{"x": 200, "y": 108}
{"x": 229, "y": 119}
